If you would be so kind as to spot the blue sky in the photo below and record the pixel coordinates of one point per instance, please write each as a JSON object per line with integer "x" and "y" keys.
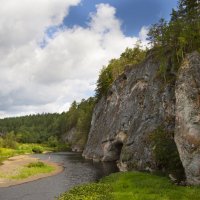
{"x": 133, "y": 13}
{"x": 56, "y": 48}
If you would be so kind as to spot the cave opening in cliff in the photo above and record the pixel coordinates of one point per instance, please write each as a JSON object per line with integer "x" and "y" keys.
{"x": 118, "y": 148}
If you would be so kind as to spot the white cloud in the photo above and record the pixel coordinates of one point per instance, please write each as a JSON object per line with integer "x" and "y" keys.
{"x": 23, "y": 21}
{"x": 143, "y": 33}
{"x": 35, "y": 79}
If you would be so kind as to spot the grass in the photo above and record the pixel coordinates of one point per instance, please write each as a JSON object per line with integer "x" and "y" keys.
{"x": 30, "y": 170}
{"x": 6, "y": 153}
{"x": 33, "y": 169}
{"x": 132, "y": 186}
{"x": 91, "y": 191}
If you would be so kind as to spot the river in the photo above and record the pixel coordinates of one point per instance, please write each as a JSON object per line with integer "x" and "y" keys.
{"x": 76, "y": 171}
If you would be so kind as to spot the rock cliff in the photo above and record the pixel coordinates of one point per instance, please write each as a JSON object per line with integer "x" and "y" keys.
{"x": 187, "y": 133}
{"x": 138, "y": 104}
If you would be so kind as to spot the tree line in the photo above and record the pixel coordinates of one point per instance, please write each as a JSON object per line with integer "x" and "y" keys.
{"x": 172, "y": 40}
{"x": 40, "y": 128}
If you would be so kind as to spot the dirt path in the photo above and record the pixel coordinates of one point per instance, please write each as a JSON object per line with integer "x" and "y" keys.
{"x": 14, "y": 164}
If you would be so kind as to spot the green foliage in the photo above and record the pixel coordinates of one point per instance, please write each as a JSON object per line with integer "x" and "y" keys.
{"x": 52, "y": 141}
{"x": 116, "y": 67}
{"x": 1, "y": 142}
{"x": 57, "y": 145}
{"x": 48, "y": 128}
{"x": 91, "y": 191}
{"x": 5, "y": 153}
{"x": 104, "y": 82}
{"x": 172, "y": 40}
{"x": 79, "y": 118}
{"x": 36, "y": 164}
{"x": 33, "y": 128}
{"x": 132, "y": 186}
{"x": 37, "y": 149}
{"x": 61, "y": 146}
{"x": 166, "y": 153}
{"x": 32, "y": 148}
{"x": 9, "y": 140}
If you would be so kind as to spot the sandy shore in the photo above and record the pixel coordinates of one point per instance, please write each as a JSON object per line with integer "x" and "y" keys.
{"x": 16, "y": 163}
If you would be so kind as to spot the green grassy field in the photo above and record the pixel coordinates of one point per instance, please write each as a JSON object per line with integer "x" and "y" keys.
{"x": 132, "y": 186}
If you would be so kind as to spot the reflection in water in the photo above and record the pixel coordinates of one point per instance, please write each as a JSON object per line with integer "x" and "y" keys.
{"x": 76, "y": 171}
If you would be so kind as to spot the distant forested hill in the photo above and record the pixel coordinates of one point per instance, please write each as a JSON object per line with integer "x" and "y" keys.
{"x": 39, "y": 128}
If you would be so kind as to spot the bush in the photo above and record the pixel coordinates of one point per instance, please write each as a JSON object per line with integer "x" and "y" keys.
{"x": 53, "y": 141}
{"x": 36, "y": 164}
{"x": 25, "y": 148}
{"x": 10, "y": 141}
{"x": 1, "y": 142}
{"x": 166, "y": 153}
{"x": 62, "y": 147}
{"x": 37, "y": 149}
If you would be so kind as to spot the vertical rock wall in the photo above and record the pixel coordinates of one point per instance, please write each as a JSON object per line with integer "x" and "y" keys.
{"x": 187, "y": 133}
{"x": 137, "y": 104}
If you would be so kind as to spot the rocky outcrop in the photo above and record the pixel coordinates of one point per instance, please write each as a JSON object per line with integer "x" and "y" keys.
{"x": 187, "y": 134}
{"x": 137, "y": 104}
{"x": 75, "y": 140}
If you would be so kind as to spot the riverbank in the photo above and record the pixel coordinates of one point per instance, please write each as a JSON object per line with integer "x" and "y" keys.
{"x": 14, "y": 165}
{"x": 22, "y": 149}
{"x": 132, "y": 186}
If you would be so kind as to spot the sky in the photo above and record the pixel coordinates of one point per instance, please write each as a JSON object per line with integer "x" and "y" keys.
{"x": 52, "y": 50}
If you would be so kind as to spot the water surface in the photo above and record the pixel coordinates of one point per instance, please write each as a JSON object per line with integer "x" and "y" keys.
{"x": 76, "y": 171}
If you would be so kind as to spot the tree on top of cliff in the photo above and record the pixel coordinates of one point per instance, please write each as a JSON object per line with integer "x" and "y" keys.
{"x": 172, "y": 40}
{"x": 131, "y": 56}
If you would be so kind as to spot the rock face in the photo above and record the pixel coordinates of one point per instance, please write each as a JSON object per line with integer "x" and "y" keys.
{"x": 137, "y": 104}
{"x": 187, "y": 134}
{"x": 76, "y": 141}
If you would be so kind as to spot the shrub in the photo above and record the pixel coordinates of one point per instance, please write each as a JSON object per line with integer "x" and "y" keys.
{"x": 25, "y": 148}
{"x": 37, "y": 149}
{"x": 10, "y": 140}
{"x": 36, "y": 164}
{"x": 1, "y": 142}
{"x": 166, "y": 153}
{"x": 53, "y": 141}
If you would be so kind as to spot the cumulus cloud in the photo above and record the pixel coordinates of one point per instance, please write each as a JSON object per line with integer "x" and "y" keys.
{"x": 143, "y": 35}
{"x": 23, "y": 21}
{"x": 35, "y": 79}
